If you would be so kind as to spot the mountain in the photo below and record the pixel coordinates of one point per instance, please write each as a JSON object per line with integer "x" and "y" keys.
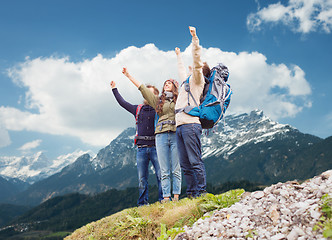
{"x": 79, "y": 209}
{"x": 9, "y": 212}
{"x": 34, "y": 167}
{"x": 255, "y": 148}
{"x": 113, "y": 167}
{"x": 10, "y": 187}
{"x": 71, "y": 211}
{"x": 317, "y": 158}
{"x": 248, "y": 147}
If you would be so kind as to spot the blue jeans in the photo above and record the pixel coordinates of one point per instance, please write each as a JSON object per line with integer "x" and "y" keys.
{"x": 169, "y": 163}
{"x": 143, "y": 158}
{"x": 189, "y": 146}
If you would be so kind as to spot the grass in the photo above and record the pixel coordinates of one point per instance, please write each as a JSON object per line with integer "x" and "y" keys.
{"x": 156, "y": 221}
{"x": 58, "y": 235}
{"x": 43, "y": 235}
{"x": 325, "y": 222}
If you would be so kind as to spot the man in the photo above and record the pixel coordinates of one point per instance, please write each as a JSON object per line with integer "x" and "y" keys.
{"x": 189, "y": 129}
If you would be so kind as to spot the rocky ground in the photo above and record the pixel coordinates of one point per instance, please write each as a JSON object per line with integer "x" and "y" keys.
{"x": 282, "y": 211}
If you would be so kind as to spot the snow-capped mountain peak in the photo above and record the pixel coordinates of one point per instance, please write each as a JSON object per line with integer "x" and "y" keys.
{"x": 35, "y": 167}
{"x": 237, "y": 130}
{"x": 117, "y": 153}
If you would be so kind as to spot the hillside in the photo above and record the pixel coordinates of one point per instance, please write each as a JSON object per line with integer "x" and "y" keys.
{"x": 10, "y": 187}
{"x": 66, "y": 213}
{"x": 282, "y": 211}
{"x": 150, "y": 222}
{"x": 8, "y": 212}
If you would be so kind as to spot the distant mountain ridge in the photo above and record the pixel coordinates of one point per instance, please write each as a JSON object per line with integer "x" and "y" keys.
{"x": 11, "y": 187}
{"x": 33, "y": 168}
{"x": 244, "y": 147}
{"x": 241, "y": 130}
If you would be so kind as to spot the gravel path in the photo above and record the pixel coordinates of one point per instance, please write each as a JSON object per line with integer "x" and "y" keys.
{"x": 282, "y": 211}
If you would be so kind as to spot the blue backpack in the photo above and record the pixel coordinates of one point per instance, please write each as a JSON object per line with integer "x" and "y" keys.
{"x": 215, "y": 99}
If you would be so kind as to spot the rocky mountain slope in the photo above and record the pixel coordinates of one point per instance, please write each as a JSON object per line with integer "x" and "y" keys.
{"x": 10, "y": 187}
{"x": 289, "y": 210}
{"x": 282, "y": 211}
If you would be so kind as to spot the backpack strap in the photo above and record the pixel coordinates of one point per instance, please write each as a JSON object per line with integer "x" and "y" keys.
{"x": 138, "y": 109}
{"x": 187, "y": 89}
{"x": 206, "y": 88}
{"x": 222, "y": 104}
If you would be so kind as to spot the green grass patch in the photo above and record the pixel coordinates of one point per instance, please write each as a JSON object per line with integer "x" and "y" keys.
{"x": 156, "y": 221}
{"x": 57, "y": 235}
{"x": 325, "y": 222}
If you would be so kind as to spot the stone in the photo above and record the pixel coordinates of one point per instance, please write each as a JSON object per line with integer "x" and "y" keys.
{"x": 274, "y": 214}
{"x": 282, "y": 211}
{"x": 284, "y": 193}
{"x": 326, "y": 175}
{"x": 258, "y": 194}
{"x": 315, "y": 214}
{"x": 299, "y": 231}
{"x": 293, "y": 235}
{"x": 278, "y": 236}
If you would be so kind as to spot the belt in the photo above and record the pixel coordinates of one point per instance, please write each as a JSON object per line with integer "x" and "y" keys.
{"x": 148, "y": 138}
{"x": 144, "y": 146}
{"x": 161, "y": 124}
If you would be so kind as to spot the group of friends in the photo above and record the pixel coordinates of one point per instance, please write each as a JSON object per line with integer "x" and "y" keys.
{"x": 172, "y": 143}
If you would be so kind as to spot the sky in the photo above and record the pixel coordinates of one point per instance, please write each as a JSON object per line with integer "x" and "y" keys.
{"x": 57, "y": 59}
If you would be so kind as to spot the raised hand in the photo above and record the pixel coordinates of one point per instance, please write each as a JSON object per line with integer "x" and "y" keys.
{"x": 113, "y": 84}
{"x": 192, "y": 31}
{"x": 177, "y": 51}
{"x": 125, "y": 72}
{"x": 133, "y": 80}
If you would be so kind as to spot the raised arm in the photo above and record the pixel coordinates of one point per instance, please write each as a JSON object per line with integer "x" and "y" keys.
{"x": 181, "y": 68}
{"x": 129, "y": 107}
{"x": 149, "y": 96}
{"x": 133, "y": 80}
{"x": 197, "y": 62}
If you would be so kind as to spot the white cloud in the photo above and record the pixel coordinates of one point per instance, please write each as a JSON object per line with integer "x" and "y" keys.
{"x": 276, "y": 89}
{"x": 30, "y": 145}
{"x": 74, "y": 98}
{"x": 302, "y": 16}
{"x": 4, "y": 137}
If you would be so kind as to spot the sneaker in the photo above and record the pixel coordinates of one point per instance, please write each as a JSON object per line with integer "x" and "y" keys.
{"x": 190, "y": 196}
{"x": 165, "y": 200}
{"x": 202, "y": 193}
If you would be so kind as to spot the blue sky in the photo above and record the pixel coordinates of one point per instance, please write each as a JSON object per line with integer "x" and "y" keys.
{"x": 58, "y": 57}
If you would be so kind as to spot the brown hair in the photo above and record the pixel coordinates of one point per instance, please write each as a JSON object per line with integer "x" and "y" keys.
{"x": 155, "y": 90}
{"x": 162, "y": 97}
{"x": 206, "y": 70}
